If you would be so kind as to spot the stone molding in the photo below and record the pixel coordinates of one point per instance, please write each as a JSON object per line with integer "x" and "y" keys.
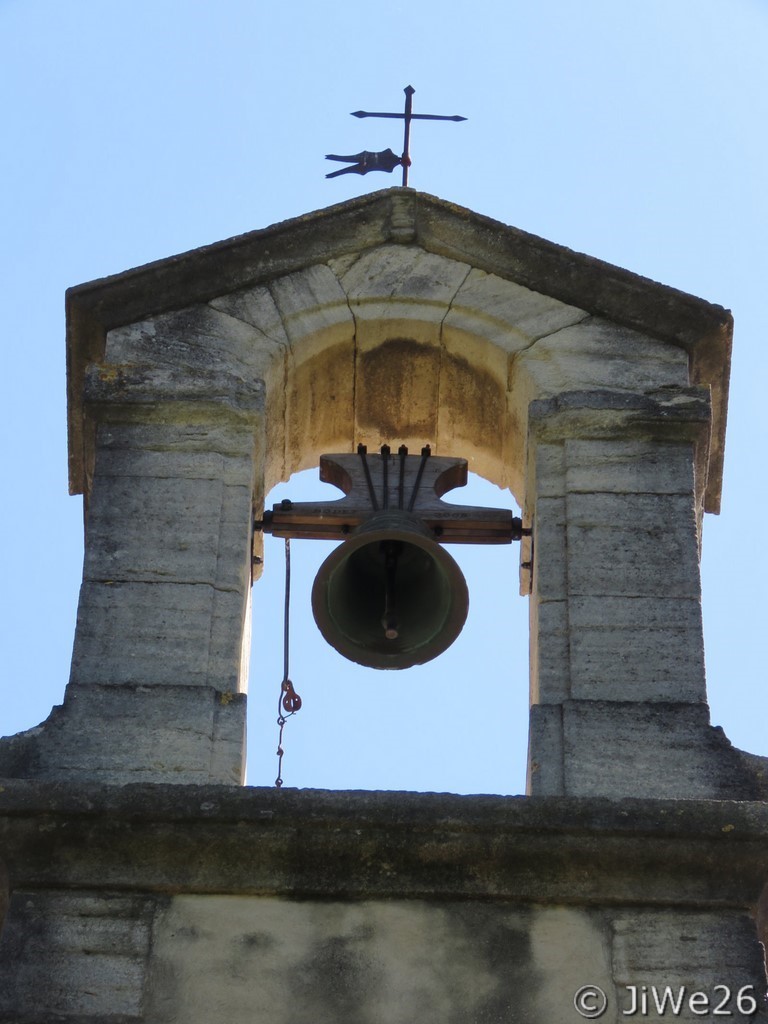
{"x": 314, "y": 843}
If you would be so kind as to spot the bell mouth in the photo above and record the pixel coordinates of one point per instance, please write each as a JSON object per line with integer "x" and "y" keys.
{"x": 390, "y": 597}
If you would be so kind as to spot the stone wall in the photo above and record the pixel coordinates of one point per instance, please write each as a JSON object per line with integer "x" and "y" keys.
{"x": 189, "y": 903}
{"x": 145, "y": 885}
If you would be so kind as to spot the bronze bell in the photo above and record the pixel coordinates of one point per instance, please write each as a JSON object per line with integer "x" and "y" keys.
{"x": 390, "y": 596}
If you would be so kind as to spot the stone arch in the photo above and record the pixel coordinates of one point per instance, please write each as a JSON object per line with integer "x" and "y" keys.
{"x": 198, "y": 383}
{"x": 399, "y": 344}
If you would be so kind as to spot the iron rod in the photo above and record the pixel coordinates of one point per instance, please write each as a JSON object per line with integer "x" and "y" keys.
{"x": 385, "y": 475}
{"x": 362, "y": 452}
{"x": 409, "y": 91}
{"x": 425, "y": 453}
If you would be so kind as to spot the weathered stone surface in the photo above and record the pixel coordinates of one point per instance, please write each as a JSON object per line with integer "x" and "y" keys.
{"x": 636, "y": 649}
{"x": 312, "y": 307}
{"x": 550, "y": 652}
{"x": 632, "y": 545}
{"x": 595, "y": 354}
{"x": 628, "y": 467}
{"x": 89, "y": 958}
{"x": 546, "y": 757}
{"x": 503, "y": 313}
{"x": 674, "y": 414}
{"x": 165, "y": 595}
{"x": 476, "y": 378}
{"x": 567, "y": 946}
{"x": 397, "y": 393}
{"x": 435, "y": 898}
{"x": 637, "y": 664}
{"x": 187, "y": 531}
{"x": 658, "y": 749}
{"x": 714, "y": 954}
{"x": 131, "y": 392}
{"x": 158, "y": 633}
{"x": 142, "y": 452}
{"x": 615, "y": 598}
{"x": 613, "y": 441}
{"x": 198, "y": 337}
{"x": 321, "y": 365}
{"x": 392, "y": 962}
{"x": 204, "y": 440}
{"x": 4, "y": 894}
{"x": 399, "y": 296}
{"x": 257, "y": 307}
{"x": 117, "y": 734}
{"x": 648, "y": 944}
{"x": 191, "y": 918}
{"x": 319, "y": 407}
{"x": 545, "y": 472}
{"x": 551, "y": 554}
{"x": 82, "y": 956}
{"x": 341, "y": 845}
{"x": 401, "y": 291}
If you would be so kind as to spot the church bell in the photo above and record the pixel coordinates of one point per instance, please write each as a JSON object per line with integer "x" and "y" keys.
{"x": 390, "y": 596}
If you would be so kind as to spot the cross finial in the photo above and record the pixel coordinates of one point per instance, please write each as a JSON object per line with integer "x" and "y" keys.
{"x": 387, "y": 160}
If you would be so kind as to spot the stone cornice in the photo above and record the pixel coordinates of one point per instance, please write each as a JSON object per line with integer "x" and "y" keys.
{"x": 358, "y": 845}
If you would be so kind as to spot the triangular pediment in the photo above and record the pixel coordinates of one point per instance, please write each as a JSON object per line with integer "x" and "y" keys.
{"x": 351, "y": 233}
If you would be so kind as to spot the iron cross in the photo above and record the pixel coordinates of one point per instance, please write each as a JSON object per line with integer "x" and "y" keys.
{"x": 364, "y": 162}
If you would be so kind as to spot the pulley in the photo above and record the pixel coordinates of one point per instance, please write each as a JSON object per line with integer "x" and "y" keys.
{"x": 390, "y": 596}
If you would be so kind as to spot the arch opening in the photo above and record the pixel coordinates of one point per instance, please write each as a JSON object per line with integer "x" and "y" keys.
{"x": 403, "y": 346}
{"x": 456, "y": 724}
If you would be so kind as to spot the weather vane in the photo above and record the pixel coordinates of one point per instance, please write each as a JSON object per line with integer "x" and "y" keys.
{"x": 387, "y": 160}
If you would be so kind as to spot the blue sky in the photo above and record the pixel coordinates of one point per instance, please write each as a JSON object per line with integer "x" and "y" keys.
{"x": 632, "y": 131}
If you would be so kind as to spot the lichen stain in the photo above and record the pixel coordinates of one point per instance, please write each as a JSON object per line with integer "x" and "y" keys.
{"x": 475, "y": 401}
{"x": 397, "y": 389}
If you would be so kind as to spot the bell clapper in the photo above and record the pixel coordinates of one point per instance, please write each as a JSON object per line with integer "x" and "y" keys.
{"x": 391, "y": 550}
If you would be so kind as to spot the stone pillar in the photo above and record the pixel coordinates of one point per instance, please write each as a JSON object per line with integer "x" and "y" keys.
{"x": 3, "y": 894}
{"x": 159, "y": 667}
{"x": 618, "y": 684}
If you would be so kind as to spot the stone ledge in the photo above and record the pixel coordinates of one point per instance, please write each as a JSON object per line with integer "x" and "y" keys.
{"x": 313, "y": 843}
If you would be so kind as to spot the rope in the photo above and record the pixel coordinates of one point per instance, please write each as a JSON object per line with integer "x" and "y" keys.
{"x": 289, "y": 701}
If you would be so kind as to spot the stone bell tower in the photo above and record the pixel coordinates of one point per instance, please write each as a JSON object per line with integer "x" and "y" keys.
{"x": 638, "y": 859}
